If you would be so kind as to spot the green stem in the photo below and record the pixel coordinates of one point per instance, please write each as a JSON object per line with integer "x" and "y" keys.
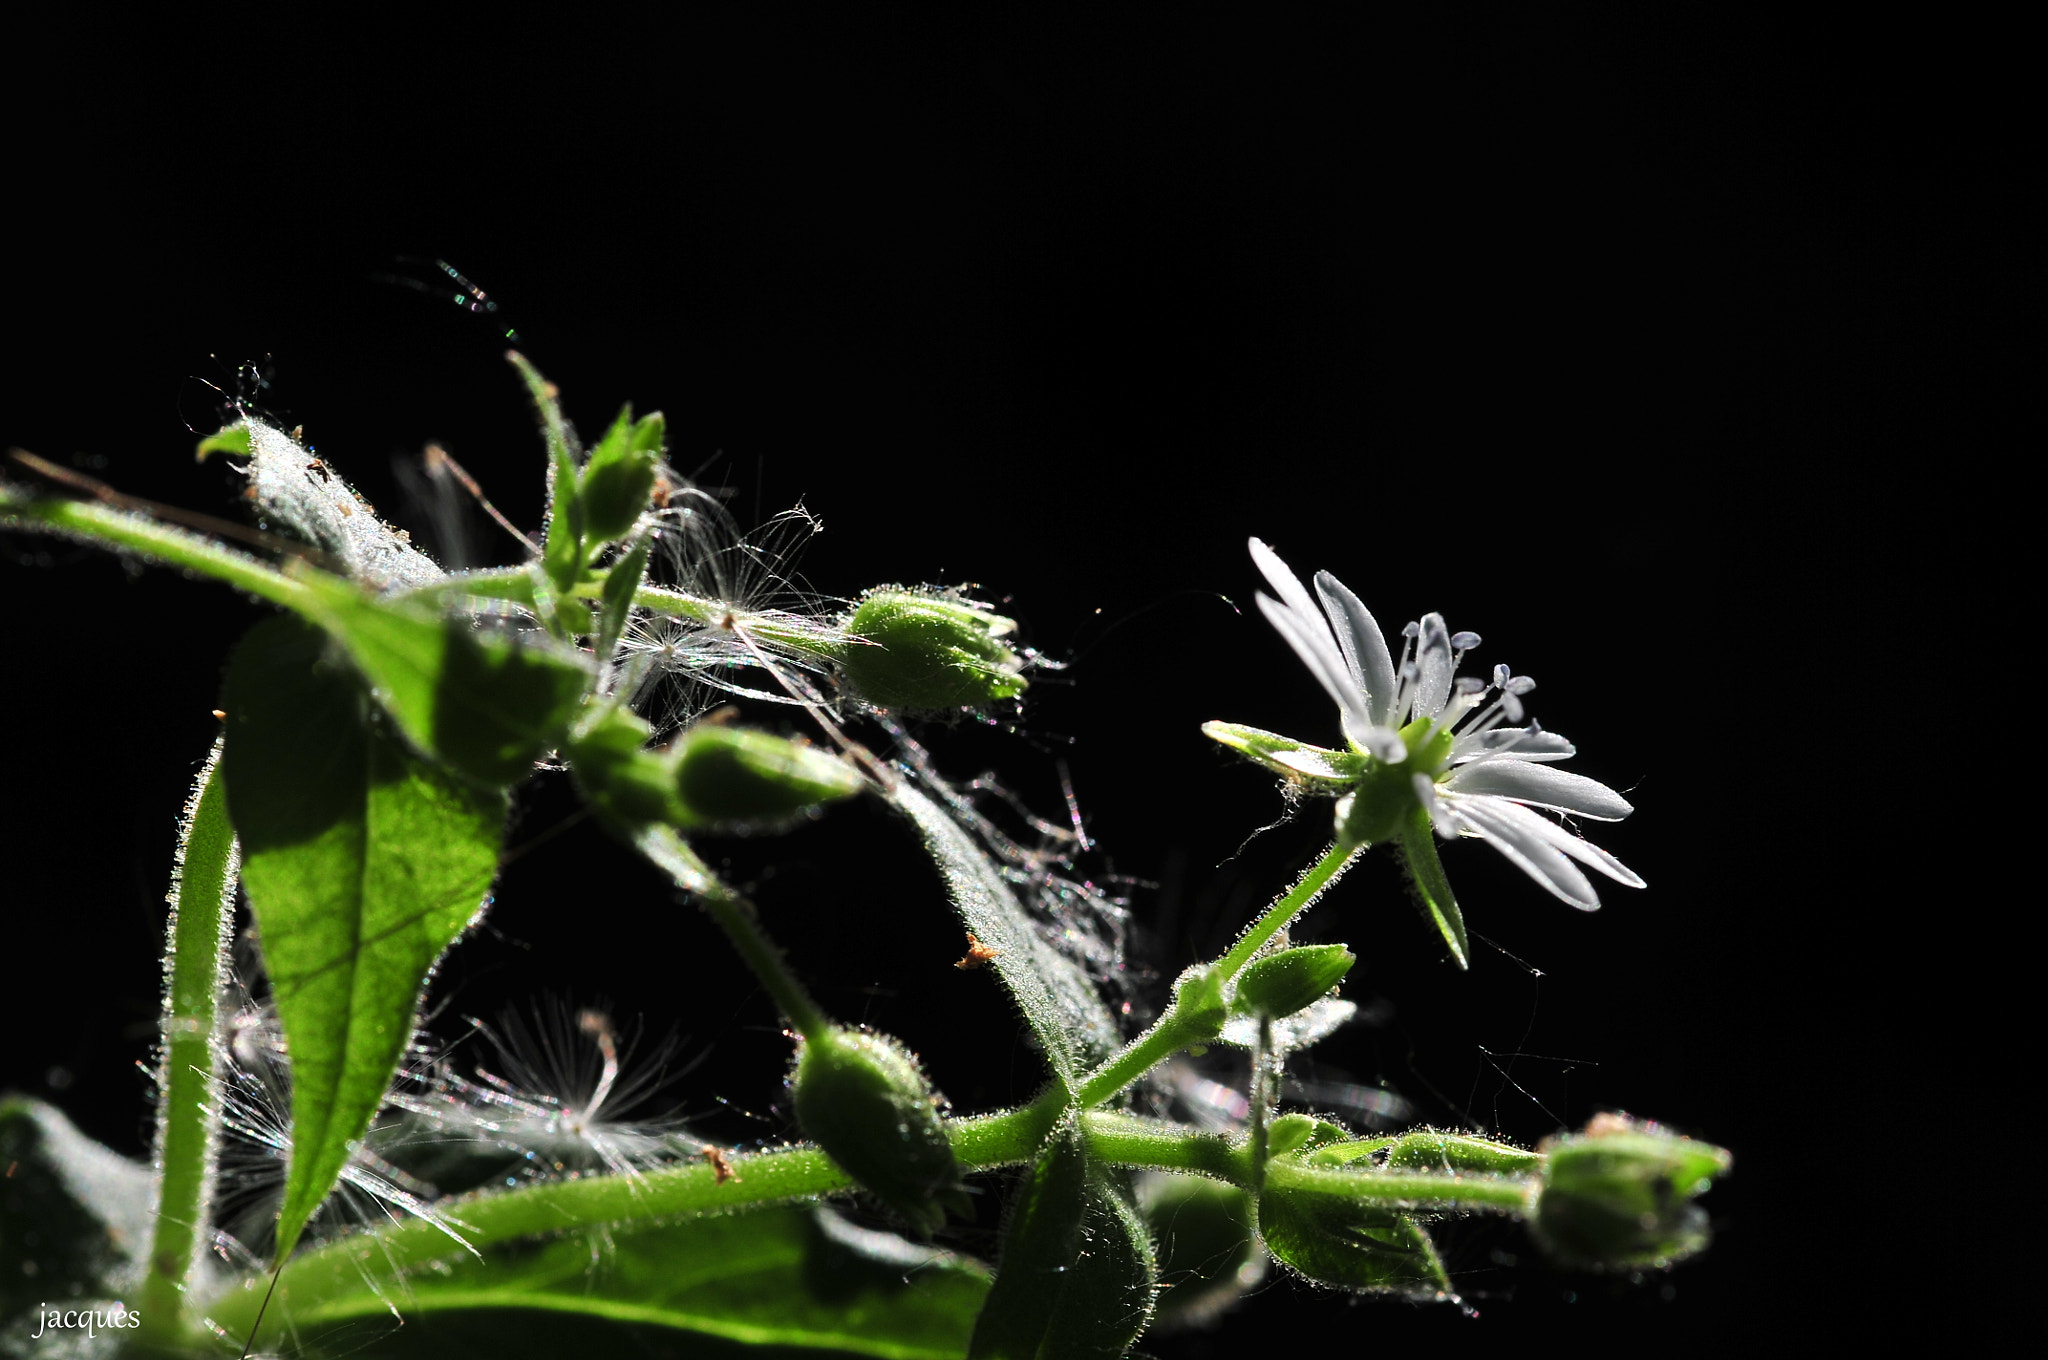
{"x": 735, "y": 915}
{"x": 1168, "y": 1036}
{"x": 1292, "y": 903}
{"x": 202, "y": 917}
{"x": 1170, "y": 1032}
{"x": 173, "y": 547}
{"x": 1262, "y": 1098}
{"x": 333, "y": 1272}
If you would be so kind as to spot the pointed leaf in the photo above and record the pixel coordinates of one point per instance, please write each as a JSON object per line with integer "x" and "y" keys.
{"x": 362, "y": 863}
{"x": 1060, "y": 1003}
{"x": 789, "y": 1276}
{"x": 1338, "y": 1241}
{"x": 1077, "y": 1271}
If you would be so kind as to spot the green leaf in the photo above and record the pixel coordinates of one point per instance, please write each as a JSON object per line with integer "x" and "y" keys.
{"x": 1066, "y": 1014}
{"x": 485, "y": 705}
{"x": 1077, "y": 1272}
{"x": 1339, "y": 1241}
{"x": 362, "y": 864}
{"x": 74, "y": 1216}
{"x": 1208, "y": 1249}
{"x": 792, "y": 1276}
{"x": 1432, "y": 889}
{"x": 562, "y": 553}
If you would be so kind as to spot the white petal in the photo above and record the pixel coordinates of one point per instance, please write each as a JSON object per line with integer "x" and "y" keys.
{"x": 1434, "y": 666}
{"x": 1319, "y": 654}
{"x": 1511, "y": 743}
{"x": 1578, "y": 847}
{"x": 1543, "y": 785}
{"x": 1365, "y": 647}
{"x": 1505, "y": 826}
{"x": 1288, "y": 586}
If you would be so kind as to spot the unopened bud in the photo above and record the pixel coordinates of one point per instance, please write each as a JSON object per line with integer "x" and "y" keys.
{"x": 626, "y": 785}
{"x": 1620, "y": 1194}
{"x": 731, "y": 777}
{"x": 862, "y": 1097}
{"x": 1280, "y": 984}
{"x": 618, "y": 481}
{"x": 930, "y": 652}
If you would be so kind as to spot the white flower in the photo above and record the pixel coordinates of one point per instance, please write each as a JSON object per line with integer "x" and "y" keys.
{"x": 1427, "y": 740}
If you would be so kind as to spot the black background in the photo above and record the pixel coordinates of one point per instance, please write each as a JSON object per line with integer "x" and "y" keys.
{"x": 1597, "y": 336}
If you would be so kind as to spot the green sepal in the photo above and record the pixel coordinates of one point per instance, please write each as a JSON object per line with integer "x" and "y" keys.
{"x": 1338, "y": 1241}
{"x": 1432, "y": 889}
{"x": 742, "y": 780}
{"x": 1619, "y": 1196}
{"x": 1428, "y": 1150}
{"x": 233, "y": 441}
{"x": 862, "y": 1098}
{"x": 617, "y": 482}
{"x": 1317, "y": 768}
{"x": 1281, "y": 983}
{"x": 930, "y": 653}
{"x": 1076, "y": 1277}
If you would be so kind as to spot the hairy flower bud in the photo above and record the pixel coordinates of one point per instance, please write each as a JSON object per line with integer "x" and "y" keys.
{"x": 930, "y": 652}
{"x": 1280, "y": 984}
{"x": 863, "y": 1099}
{"x": 731, "y": 777}
{"x": 1620, "y": 1194}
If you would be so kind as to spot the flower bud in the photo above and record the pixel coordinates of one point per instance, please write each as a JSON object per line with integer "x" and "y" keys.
{"x": 618, "y": 481}
{"x": 1280, "y": 984}
{"x": 731, "y": 777}
{"x": 862, "y": 1097}
{"x": 930, "y": 652}
{"x": 1620, "y": 1194}
{"x": 626, "y": 785}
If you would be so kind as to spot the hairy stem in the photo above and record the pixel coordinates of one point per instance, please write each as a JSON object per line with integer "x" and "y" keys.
{"x": 1292, "y": 903}
{"x": 112, "y": 528}
{"x": 202, "y": 902}
{"x": 333, "y": 1272}
{"x": 1170, "y": 1032}
{"x": 735, "y": 915}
